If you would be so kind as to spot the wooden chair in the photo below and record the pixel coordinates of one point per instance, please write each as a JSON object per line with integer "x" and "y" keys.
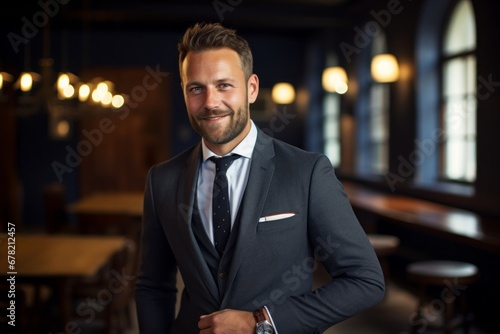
{"x": 445, "y": 275}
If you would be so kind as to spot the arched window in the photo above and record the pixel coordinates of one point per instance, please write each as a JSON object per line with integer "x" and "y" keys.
{"x": 458, "y": 98}
{"x": 446, "y": 96}
{"x": 373, "y": 118}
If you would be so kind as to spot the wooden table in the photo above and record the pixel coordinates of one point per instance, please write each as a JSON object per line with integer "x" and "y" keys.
{"x": 431, "y": 231}
{"x": 460, "y": 225}
{"x": 119, "y": 210}
{"x": 110, "y": 203}
{"x": 57, "y": 259}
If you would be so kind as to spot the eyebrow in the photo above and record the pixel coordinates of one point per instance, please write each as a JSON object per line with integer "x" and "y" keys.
{"x": 218, "y": 81}
{"x": 225, "y": 80}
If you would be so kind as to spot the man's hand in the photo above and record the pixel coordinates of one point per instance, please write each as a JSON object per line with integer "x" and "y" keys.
{"x": 227, "y": 322}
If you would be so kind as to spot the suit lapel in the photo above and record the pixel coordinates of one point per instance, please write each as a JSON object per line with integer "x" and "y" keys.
{"x": 186, "y": 194}
{"x": 259, "y": 180}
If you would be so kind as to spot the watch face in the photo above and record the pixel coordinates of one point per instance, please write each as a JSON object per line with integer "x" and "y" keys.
{"x": 268, "y": 331}
{"x": 265, "y": 328}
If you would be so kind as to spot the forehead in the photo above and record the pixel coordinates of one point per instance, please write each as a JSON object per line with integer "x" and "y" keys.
{"x": 223, "y": 60}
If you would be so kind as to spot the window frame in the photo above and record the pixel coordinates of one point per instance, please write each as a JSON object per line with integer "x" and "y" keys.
{"x": 433, "y": 19}
{"x": 332, "y": 118}
{"x": 443, "y": 60}
{"x": 367, "y": 145}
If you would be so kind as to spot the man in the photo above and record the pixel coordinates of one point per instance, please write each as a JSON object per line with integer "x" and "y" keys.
{"x": 286, "y": 210}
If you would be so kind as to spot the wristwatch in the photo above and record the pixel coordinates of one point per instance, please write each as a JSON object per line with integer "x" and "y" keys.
{"x": 263, "y": 326}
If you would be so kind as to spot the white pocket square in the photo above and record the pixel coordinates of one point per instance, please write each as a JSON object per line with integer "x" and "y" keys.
{"x": 277, "y": 216}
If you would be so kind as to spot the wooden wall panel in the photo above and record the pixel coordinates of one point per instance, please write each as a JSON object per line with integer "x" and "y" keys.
{"x": 133, "y": 138}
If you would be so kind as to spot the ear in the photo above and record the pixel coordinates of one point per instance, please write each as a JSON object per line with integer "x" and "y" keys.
{"x": 253, "y": 88}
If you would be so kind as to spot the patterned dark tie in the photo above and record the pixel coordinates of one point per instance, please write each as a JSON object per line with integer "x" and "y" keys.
{"x": 221, "y": 215}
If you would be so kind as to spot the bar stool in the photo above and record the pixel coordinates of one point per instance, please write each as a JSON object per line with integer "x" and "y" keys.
{"x": 384, "y": 245}
{"x": 454, "y": 278}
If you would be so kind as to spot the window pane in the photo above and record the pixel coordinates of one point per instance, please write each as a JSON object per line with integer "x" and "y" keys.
{"x": 454, "y": 82}
{"x": 372, "y": 119}
{"x": 471, "y": 75}
{"x": 455, "y": 159}
{"x": 379, "y": 127}
{"x": 461, "y": 33}
{"x": 471, "y": 117}
{"x": 455, "y": 118}
{"x": 331, "y": 127}
{"x": 332, "y": 151}
{"x": 331, "y": 117}
{"x": 331, "y": 104}
{"x": 379, "y": 161}
{"x": 470, "y": 174}
{"x": 459, "y": 123}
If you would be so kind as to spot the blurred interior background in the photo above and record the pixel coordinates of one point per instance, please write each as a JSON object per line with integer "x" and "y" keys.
{"x": 401, "y": 95}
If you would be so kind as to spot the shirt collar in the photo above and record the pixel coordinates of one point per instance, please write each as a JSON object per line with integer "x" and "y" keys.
{"x": 244, "y": 148}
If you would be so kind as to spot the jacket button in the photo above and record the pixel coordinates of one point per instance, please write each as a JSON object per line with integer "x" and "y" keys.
{"x": 222, "y": 274}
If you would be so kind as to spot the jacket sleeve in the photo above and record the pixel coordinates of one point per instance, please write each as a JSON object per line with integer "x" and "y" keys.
{"x": 156, "y": 284}
{"x": 341, "y": 245}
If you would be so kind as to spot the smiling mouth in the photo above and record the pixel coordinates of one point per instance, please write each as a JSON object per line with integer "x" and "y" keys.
{"x": 213, "y": 118}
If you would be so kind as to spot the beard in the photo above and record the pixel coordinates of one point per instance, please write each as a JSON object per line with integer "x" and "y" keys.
{"x": 217, "y": 134}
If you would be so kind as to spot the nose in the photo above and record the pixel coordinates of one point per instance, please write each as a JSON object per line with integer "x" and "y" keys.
{"x": 212, "y": 98}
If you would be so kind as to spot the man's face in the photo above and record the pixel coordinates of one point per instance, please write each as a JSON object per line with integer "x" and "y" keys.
{"x": 217, "y": 97}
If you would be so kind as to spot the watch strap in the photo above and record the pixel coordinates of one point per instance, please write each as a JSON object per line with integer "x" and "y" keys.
{"x": 259, "y": 315}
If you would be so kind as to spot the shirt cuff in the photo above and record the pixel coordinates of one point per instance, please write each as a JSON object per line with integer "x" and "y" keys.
{"x": 271, "y": 318}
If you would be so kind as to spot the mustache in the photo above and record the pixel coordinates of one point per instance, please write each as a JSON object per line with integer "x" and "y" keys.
{"x": 214, "y": 113}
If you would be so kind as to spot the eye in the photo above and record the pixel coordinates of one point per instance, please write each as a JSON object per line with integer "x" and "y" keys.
{"x": 194, "y": 89}
{"x": 224, "y": 86}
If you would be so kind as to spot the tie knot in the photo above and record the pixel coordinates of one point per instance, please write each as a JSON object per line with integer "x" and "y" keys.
{"x": 222, "y": 164}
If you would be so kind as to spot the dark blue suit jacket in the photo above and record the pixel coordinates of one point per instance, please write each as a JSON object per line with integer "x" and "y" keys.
{"x": 273, "y": 261}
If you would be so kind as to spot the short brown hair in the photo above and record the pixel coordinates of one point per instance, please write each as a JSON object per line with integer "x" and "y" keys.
{"x": 210, "y": 36}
